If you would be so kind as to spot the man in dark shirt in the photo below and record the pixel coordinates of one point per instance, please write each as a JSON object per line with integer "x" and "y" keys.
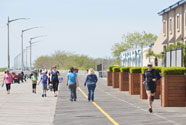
{"x": 151, "y": 76}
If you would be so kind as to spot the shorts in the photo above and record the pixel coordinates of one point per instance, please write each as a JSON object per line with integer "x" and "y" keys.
{"x": 44, "y": 86}
{"x": 8, "y": 86}
{"x": 33, "y": 86}
{"x": 151, "y": 87}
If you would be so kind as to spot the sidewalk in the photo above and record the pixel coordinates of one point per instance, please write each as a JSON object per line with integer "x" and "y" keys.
{"x": 22, "y": 107}
{"x": 122, "y": 107}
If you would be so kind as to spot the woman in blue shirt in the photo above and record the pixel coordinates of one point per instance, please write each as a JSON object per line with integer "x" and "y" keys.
{"x": 91, "y": 81}
{"x": 72, "y": 83}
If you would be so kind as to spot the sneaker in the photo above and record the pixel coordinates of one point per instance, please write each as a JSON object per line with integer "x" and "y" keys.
{"x": 42, "y": 95}
{"x": 74, "y": 99}
{"x": 150, "y": 110}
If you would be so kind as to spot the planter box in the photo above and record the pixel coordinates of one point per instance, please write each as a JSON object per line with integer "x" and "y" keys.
{"x": 143, "y": 94}
{"x": 134, "y": 83}
{"x": 123, "y": 81}
{"x": 109, "y": 78}
{"x": 115, "y": 79}
{"x": 173, "y": 91}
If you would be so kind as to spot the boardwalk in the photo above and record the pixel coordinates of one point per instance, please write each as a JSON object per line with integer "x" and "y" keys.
{"x": 22, "y": 107}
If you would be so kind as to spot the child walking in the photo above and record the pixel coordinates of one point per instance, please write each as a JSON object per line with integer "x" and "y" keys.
{"x": 34, "y": 82}
{"x": 44, "y": 82}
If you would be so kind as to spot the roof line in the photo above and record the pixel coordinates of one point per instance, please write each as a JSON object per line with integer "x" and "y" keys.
{"x": 172, "y": 7}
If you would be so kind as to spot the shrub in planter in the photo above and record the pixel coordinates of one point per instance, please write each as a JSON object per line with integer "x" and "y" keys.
{"x": 134, "y": 80}
{"x": 116, "y": 69}
{"x": 109, "y": 76}
{"x": 115, "y": 76}
{"x": 173, "y": 87}
{"x": 124, "y": 79}
{"x": 110, "y": 68}
{"x": 125, "y": 69}
{"x": 135, "y": 70}
{"x": 173, "y": 71}
{"x": 143, "y": 70}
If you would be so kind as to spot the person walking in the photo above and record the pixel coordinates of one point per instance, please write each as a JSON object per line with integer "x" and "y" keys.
{"x": 72, "y": 83}
{"x": 8, "y": 80}
{"x": 44, "y": 81}
{"x": 55, "y": 80}
{"x": 34, "y": 82}
{"x": 91, "y": 81}
{"x": 151, "y": 76}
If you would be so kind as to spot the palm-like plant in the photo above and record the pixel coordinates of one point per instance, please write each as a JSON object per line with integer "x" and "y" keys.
{"x": 150, "y": 53}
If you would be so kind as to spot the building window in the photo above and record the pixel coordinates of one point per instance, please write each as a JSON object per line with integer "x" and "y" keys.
{"x": 170, "y": 25}
{"x": 178, "y": 23}
{"x": 164, "y": 28}
{"x": 164, "y": 48}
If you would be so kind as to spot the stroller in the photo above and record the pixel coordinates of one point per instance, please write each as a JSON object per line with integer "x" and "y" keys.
{"x": 50, "y": 86}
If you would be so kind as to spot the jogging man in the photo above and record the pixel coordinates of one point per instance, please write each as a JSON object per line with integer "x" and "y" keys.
{"x": 151, "y": 76}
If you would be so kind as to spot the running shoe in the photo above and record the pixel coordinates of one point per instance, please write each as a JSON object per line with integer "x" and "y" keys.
{"x": 150, "y": 110}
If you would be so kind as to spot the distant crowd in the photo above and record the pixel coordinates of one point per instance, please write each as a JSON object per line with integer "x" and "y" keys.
{"x": 50, "y": 81}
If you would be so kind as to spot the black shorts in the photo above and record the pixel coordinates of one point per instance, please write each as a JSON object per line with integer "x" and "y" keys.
{"x": 151, "y": 87}
{"x": 8, "y": 86}
{"x": 33, "y": 86}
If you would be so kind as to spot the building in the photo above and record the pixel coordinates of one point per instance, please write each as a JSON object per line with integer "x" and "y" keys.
{"x": 173, "y": 30}
{"x": 135, "y": 57}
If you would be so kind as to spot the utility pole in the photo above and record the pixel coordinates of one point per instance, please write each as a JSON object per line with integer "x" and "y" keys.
{"x": 22, "y": 51}
{"x": 30, "y": 42}
{"x": 8, "y": 26}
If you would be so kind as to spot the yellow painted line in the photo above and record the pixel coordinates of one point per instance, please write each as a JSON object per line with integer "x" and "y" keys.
{"x": 97, "y": 106}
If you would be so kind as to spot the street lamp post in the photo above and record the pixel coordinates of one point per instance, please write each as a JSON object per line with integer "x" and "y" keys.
{"x": 31, "y": 43}
{"x": 26, "y": 56}
{"x": 8, "y": 23}
{"x": 22, "y": 53}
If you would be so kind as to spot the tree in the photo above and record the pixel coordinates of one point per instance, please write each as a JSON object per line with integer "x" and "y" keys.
{"x": 64, "y": 60}
{"x": 132, "y": 40}
{"x": 150, "y": 53}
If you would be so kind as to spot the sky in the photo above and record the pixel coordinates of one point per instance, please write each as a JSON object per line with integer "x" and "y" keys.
{"x": 85, "y": 27}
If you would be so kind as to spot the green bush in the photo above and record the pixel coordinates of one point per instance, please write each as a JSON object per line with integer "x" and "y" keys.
{"x": 135, "y": 69}
{"x": 125, "y": 69}
{"x": 173, "y": 71}
{"x": 154, "y": 67}
{"x": 116, "y": 69}
{"x": 3, "y": 69}
{"x": 143, "y": 69}
{"x": 110, "y": 68}
{"x": 157, "y": 68}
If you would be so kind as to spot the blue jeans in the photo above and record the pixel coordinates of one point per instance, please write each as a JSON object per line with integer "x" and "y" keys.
{"x": 91, "y": 89}
{"x": 72, "y": 88}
